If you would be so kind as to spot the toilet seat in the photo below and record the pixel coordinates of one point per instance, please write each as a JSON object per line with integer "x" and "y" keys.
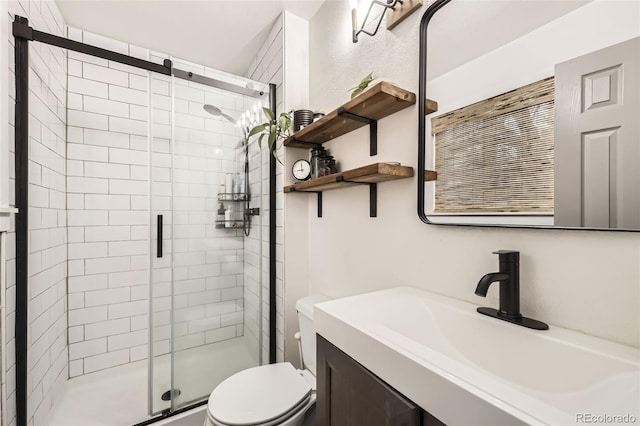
{"x": 263, "y": 395}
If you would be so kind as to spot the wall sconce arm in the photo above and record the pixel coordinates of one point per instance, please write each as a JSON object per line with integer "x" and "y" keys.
{"x": 388, "y": 4}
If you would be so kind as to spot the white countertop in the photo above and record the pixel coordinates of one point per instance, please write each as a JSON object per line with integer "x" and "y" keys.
{"x": 467, "y": 368}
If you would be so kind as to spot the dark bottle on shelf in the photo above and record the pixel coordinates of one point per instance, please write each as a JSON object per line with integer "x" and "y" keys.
{"x": 331, "y": 165}
{"x": 220, "y": 216}
{"x": 317, "y": 154}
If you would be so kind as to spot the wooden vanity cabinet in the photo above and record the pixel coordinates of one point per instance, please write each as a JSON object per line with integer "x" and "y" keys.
{"x": 350, "y": 395}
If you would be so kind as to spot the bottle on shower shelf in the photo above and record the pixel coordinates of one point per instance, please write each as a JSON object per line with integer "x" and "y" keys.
{"x": 241, "y": 183}
{"x": 220, "y": 215}
{"x": 238, "y": 216}
{"x": 228, "y": 217}
{"x": 229, "y": 183}
{"x": 237, "y": 189}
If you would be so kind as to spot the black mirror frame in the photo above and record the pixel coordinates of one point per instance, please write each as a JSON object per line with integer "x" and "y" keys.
{"x": 422, "y": 96}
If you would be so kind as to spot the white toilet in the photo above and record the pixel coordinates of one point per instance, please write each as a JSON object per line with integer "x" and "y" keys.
{"x": 274, "y": 394}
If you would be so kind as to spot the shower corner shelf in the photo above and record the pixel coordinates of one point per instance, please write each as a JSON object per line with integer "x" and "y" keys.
{"x": 227, "y": 196}
{"x": 369, "y": 175}
{"x": 235, "y": 224}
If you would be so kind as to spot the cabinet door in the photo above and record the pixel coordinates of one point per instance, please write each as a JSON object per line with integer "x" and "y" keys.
{"x": 350, "y": 395}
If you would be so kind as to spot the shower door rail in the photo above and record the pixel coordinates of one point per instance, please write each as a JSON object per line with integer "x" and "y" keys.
{"x": 23, "y": 34}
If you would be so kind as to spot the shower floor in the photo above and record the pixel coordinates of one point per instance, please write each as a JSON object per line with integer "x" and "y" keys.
{"x": 118, "y": 396}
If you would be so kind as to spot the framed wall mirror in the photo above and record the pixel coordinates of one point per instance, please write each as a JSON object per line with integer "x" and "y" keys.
{"x": 538, "y": 120}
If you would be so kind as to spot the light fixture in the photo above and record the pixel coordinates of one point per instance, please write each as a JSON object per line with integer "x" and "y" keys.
{"x": 387, "y": 4}
{"x": 249, "y": 118}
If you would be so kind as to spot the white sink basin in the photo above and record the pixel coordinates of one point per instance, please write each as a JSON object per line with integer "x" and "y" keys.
{"x": 467, "y": 368}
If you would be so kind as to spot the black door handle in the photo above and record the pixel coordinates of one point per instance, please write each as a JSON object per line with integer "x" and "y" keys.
{"x": 159, "y": 235}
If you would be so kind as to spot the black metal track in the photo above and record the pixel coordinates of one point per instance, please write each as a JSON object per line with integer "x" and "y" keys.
{"x": 272, "y": 238}
{"x": 164, "y": 416}
{"x": 25, "y": 32}
{"x": 22, "y": 219}
{"x": 422, "y": 95}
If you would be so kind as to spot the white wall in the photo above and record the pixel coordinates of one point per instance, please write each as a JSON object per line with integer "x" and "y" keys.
{"x": 572, "y": 279}
{"x": 47, "y": 336}
{"x": 296, "y": 96}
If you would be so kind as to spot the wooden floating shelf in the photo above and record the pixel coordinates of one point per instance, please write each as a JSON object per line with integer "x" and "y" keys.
{"x": 430, "y": 175}
{"x": 373, "y": 173}
{"x": 402, "y": 12}
{"x": 430, "y": 106}
{"x": 380, "y": 101}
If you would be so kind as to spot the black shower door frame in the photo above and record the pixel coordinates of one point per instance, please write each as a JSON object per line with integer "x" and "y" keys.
{"x": 23, "y": 34}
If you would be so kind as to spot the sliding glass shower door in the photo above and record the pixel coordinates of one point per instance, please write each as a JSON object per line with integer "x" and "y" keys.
{"x": 161, "y": 272}
{"x": 206, "y": 264}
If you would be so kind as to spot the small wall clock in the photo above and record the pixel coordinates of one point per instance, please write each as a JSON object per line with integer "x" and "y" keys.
{"x": 301, "y": 170}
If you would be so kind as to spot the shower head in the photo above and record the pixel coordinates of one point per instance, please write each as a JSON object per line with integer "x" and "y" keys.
{"x": 214, "y": 110}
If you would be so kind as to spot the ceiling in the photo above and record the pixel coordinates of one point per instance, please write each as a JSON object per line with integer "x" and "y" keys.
{"x": 222, "y": 34}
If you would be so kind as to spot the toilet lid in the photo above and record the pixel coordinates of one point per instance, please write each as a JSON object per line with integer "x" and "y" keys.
{"x": 258, "y": 395}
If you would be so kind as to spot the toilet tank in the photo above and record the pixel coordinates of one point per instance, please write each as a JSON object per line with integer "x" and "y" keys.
{"x": 304, "y": 307}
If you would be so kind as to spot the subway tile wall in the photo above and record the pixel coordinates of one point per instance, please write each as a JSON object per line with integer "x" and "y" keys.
{"x": 208, "y": 302}
{"x": 107, "y": 202}
{"x": 109, "y": 218}
{"x": 267, "y": 67}
{"x": 47, "y": 320}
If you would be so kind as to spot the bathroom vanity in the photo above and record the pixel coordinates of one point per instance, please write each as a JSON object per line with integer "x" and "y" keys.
{"x": 407, "y": 356}
{"x": 349, "y": 394}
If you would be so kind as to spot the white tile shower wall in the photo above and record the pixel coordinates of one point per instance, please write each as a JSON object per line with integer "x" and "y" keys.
{"x": 107, "y": 185}
{"x": 267, "y": 67}
{"x": 47, "y": 329}
{"x": 109, "y": 218}
{"x": 207, "y": 261}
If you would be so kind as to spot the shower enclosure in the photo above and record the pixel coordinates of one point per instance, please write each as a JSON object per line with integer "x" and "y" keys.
{"x": 206, "y": 197}
{"x": 199, "y": 197}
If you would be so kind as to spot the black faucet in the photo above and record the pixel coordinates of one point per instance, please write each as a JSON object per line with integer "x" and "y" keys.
{"x": 509, "y": 279}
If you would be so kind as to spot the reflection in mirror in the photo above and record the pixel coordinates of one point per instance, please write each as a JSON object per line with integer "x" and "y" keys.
{"x": 538, "y": 118}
